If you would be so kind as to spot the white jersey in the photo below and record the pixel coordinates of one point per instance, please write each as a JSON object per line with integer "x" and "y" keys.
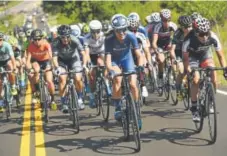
{"x": 95, "y": 46}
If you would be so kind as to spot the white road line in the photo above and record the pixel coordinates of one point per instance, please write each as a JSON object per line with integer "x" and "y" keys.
{"x": 221, "y": 92}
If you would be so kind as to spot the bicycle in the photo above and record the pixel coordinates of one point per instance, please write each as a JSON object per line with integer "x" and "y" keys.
{"x": 129, "y": 110}
{"x": 7, "y": 95}
{"x": 102, "y": 92}
{"x": 72, "y": 98}
{"x": 206, "y": 100}
{"x": 44, "y": 94}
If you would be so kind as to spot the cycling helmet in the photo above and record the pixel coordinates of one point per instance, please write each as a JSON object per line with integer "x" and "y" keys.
{"x": 119, "y": 21}
{"x": 202, "y": 25}
{"x": 44, "y": 34}
{"x": 85, "y": 29}
{"x": 13, "y": 41}
{"x": 148, "y": 19}
{"x": 195, "y": 15}
{"x": 28, "y": 32}
{"x": 185, "y": 21}
{"x": 95, "y": 25}
{"x": 37, "y": 34}
{"x": 155, "y": 17}
{"x": 133, "y": 20}
{"x": 1, "y": 35}
{"x": 134, "y": 15}
{"x": 165, "y": 14}
{"x": 21, "y": 32}
{"x": 105, "y": 25}
{"x": 75, "y": 30}
{"x": 64, "y": 30}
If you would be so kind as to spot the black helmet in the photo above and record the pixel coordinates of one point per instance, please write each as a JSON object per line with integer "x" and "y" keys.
{"x": 185, "y": 21}
{"x": 64, "y": 30}
{"x": 37, "y": 34}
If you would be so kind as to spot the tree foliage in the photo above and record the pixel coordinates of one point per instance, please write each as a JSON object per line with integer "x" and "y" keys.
{"x": 83, "y": 11}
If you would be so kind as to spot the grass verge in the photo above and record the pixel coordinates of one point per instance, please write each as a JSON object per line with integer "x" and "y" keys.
{"x": 9, "y": 5}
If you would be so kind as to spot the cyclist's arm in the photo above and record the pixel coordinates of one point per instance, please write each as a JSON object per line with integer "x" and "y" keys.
{"x": 172, "y": 51}
{"x": 186, "y": 55}
{"x": 12, "y": 58}
{"x": 154, "y": 41}
{"x": 139, "y": 57}
{"x": 28, "y": 61}
{"x": 221, "y": 58}
{"x": 108, "y": 62}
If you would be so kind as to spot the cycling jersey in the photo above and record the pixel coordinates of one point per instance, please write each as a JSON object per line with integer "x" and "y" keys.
{"x": 40, "y": 53}
{"x": 68, "y": 55}
{"x": 142, "y": 30}
{"x": 17, "y": 52}
{"x": 120, "y": 52}
{"x": 200, "y": 51}
{"x": 178, "y": 39}
{"x": 95, "y": 46}
{"x": 6, "y": 51}
{"x": 150, "y": 30}
{"x": 164, "y": 35}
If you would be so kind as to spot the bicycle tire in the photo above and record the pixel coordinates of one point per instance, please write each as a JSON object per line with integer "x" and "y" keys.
{"x": 166, "y": 87}
{"x": 135, "y": 126}
{"x": 7, "y": 101}
{"x": 98, "y": 99}
{"x": 105, "y": 97}
{"x": 125, "y": 118}
{"x": 201, "y": 109}
{"x": 172, "y": 85}
{"x": 46, "y": 102}
{"x": 73, "y": 103}
{"x": 211, "y": 100}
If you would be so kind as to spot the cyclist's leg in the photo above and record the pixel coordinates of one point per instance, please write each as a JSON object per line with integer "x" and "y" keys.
{"x": 78, "y": 81}
{"x": 2, "y": 64}
{"x": 12, "y": 77}
{"x": 210, "y": 63}
{"x": 46, "y": 65}
{"x": 194, "y": 89}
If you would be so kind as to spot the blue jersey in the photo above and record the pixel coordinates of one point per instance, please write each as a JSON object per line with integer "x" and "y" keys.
{"x": 143, "y": 30}
{"x": 120, "y": 52}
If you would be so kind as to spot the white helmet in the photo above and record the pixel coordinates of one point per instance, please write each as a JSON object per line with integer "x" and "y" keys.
{"x": 134, "y": 15}
{"x": 95, "y": 24}
{"x": 155, "y": 17}
{"x": 148, "y": 19}
{"x": 75, "y": 30}
{"x": 165, "y": 14}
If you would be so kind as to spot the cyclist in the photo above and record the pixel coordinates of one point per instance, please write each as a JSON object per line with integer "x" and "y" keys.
{"x": 185, "y": 23}
{"x": 162, "y": 38}
{"x": 197, "y": 53}
{"x": 106, "y": 27}
{"x": 39, "y": 56}
{"x": 119, "y": 59}
{"x": 66, "y": 50}
{"x": 85, "y": 30}
{"x": 134, "y": 26}
{"x": 95, "y": 49}
{"x": 17, "y": 54}
{"x": 7, "y": 61}
{"x": 154, "y": 19}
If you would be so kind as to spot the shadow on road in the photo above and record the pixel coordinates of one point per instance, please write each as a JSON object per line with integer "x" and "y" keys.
{"x": 178, "y": 136}
{"x": 99, "y": 144}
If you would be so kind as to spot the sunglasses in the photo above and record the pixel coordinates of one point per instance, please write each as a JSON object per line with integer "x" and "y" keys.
{"x": 37, "y": 39}
{"x": 203, "y": 34}
{"x": 65, "y": 37}
{"x": 121, "y": 30}
{"x": 96, "y": 31}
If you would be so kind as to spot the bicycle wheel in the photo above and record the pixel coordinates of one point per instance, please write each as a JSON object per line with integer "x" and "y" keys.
{"x": 134, "y": 121}
{"x": 73, "y": 104}
{"x": 173, "y": 90}
{"x": 185, "y": 95}
{"x": 45, "y": 102}
{"x": 98, "y": 98}
{"x": 166, "y": 87}
{"x": 212, "y": 116}
{"x": 8, "y": 100}
{"x": 105, "y": 101}
{"x": 125, "y": 118}
{"x": 201, "y": 109}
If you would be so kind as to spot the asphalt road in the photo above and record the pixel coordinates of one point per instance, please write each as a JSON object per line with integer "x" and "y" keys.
{"x": 167, "y": 130}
